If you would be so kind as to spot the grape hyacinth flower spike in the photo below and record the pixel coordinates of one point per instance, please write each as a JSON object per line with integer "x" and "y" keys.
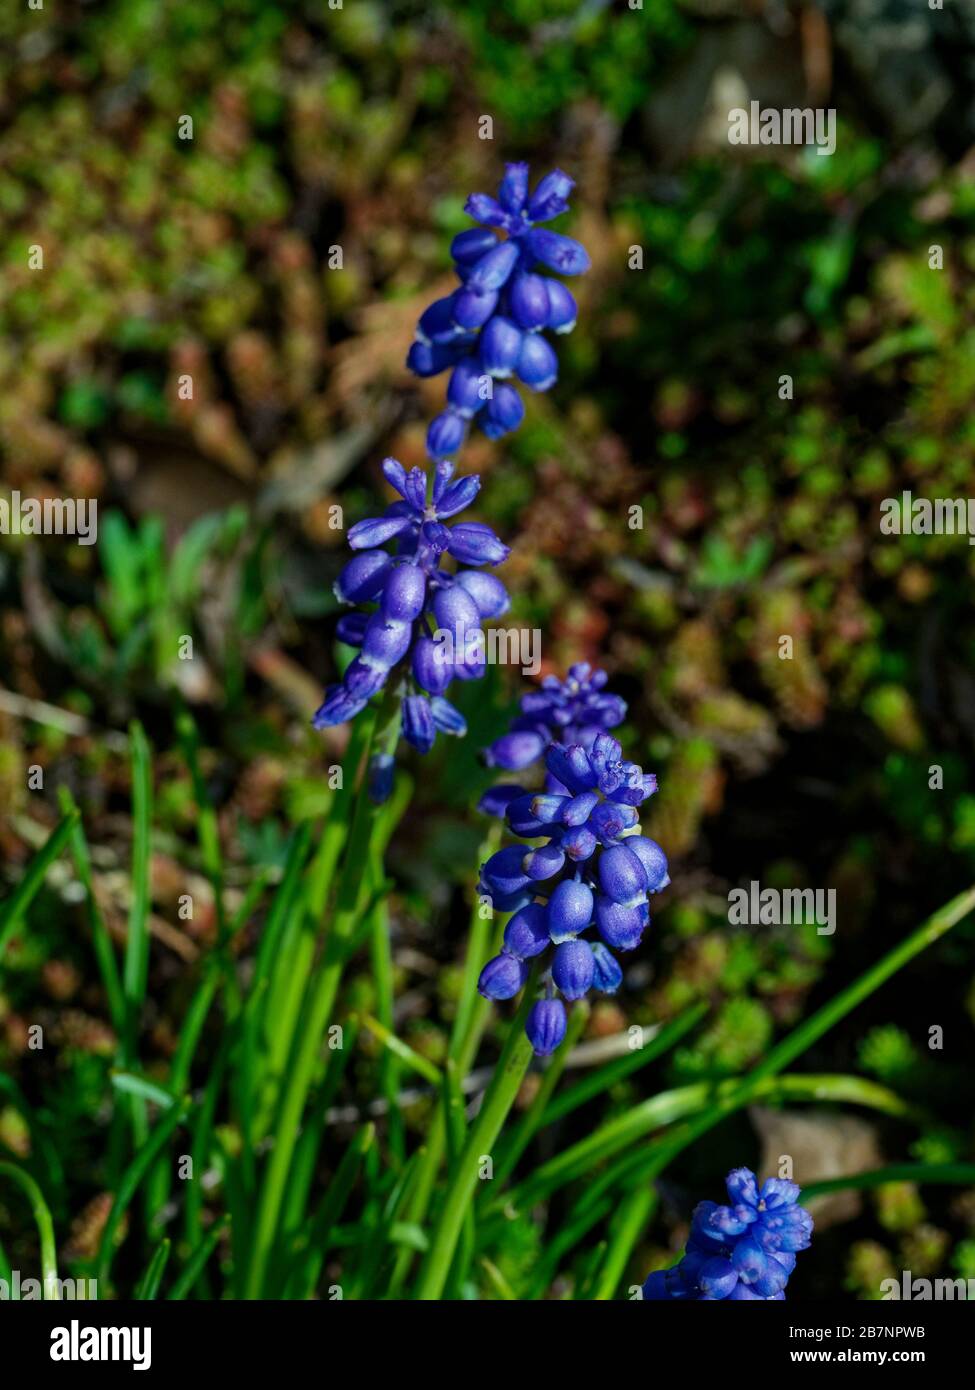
{"x": 591, "y": 867}
{"x": 491, "y": 328}
{"x": 571, "y": 711}
{"x": 424, "y": 628}
{"x": 743, "y": 1251}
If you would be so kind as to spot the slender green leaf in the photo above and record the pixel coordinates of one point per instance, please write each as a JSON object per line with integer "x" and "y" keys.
{"x": 128, "y": 1186}
{"x": 197, "y": 1261}
{"x": 333, "y": 1205}
{"x": 498, "y": 1100}
{"x": 532, "y": 1119}
{"x": 13, "y": 909}
{"x": 148, "y": 1285}
{"x": 45, "y": 1227}
{"x": 101, "y": 941}
{"x": 134, "y": 1085}
{"x": 421, "y": 1065}
{"x": 136, "y": 967}
{"x": 922, "y": 1174}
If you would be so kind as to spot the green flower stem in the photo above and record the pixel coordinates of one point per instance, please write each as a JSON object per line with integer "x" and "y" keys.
{"x": 45, "y": 1226}
{"x": 660, "y": 1152}
{"x": 532, "y": 1118}
{"x": 323, "y": 992}
{"x": 498, "y": 1100}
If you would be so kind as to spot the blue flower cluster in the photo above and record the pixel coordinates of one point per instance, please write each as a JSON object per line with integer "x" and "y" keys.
{"x": 743, "y": 1251}
{"x": 592, "y": 867}
{"x": 490, "y": 328}
{"x": 428, "y": 621}
{"x": 571, "y": 711}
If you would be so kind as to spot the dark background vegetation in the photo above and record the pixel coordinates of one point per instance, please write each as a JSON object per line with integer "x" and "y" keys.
{"x": 358, "y": 128}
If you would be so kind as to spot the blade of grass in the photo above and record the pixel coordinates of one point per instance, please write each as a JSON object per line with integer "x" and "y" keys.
{"x": 480, "y": 932}
{"x": 600, "y": 1079}
{"x": 248, "y": 904}
{"x": 323, "y": 990}
{"x": 667, "y": 1107}
{"x": 421, "y": 1065}
{"x": 133, "y": 1085}
{"x": 473, "y": 1011}
{"x": 633, "y": 1217}
{"x": 285, "y": 909}
{"x": 332, "y": 1207}
{"x": 45, "y": 1227}
{"x": 197, "y": 1261}
{"x": 290, "y": 982}
{"x": 377, "y": 1248}
{"x": 309, "y": 1144}
{"x": 455, "y": 1122}
{"x": 101, "y": 941}
{"x": 48, "y": 1168}
{"x": 202, "y": 1144}
{"x": 216, "y": 967}
{"x": 589, "y": 1270}
{"x": 936, "y": 1174}
{"x": 148, "y": 1285}
{"x": 381, "y": 954}
{"x": 336, "y": 829}
{"x": 498, "y": 1282}
{"x": 578, "y": 1225}
{"x": 13, "y": 909}
{"x": 207, "y": 829}
{"x": 136, "y": 965}
{"x": 498, "y": 1100}
{"x": 128, "y": 1186}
